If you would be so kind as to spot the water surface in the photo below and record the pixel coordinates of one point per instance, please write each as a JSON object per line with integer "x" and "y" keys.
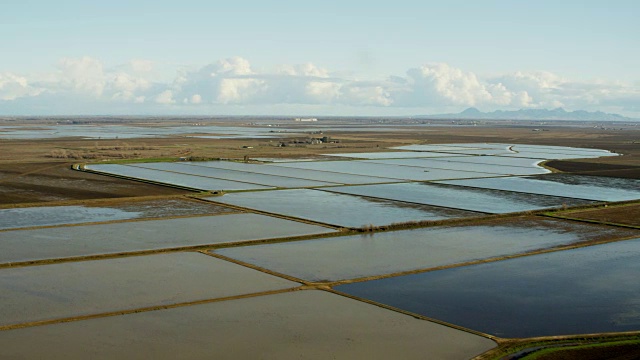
{"x": 467, "y": 167}
{"x": 173, "y": 178}
{"x": 60, "y": 215}
{"x": 358, "y": 256}
{"x": 458, "y": 197}
{"x": 391, "y": 155}
{"x": 234, "y": 175}
{"x": 381, "y": 170}
{"x": 91, "y": 287}
{"x": 64, "y": 242}
{"x": 582, "y": 291}
{"x": 338, "y": 209}
{"x": 56, "y": 215}
{"x": 301, "y": 324}
{"x": 298, "y": 173}
{"x": 575, "y": 186}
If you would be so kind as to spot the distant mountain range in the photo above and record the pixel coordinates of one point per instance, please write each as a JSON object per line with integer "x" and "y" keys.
{"x": 532, "y": 114}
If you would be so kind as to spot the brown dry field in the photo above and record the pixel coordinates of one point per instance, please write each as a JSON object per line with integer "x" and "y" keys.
{"x": 626, "y": 215}
{"x": 34, "y": 171}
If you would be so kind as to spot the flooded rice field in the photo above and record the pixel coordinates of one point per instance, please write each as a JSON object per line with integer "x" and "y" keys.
{"x": 64, "y": 290}
{"x": 301, "y": 324}
{"x": 438, "y": 147}
{"x": 381, "y": 170}
{"x": 174, "y": 178}
{"x": 392, "y": 155}
{"x": 235, "y": 175}
{"x": 60, "y": 215}
{"x": 512, "y": 150}
{"x": 90, "y": 277}
{"x": 482, "y": 152}
{"x": 397, "y": 251}
{"x": 420, "y": 163}
{"x": 111, "y": 131}
{"x": 563, "y": 150}
{"x": 569, "y": 185}
{"x": 467, "y": 167}
{"x": 503, "y": 161}
{"x": 554, "y": 155}
{"x": 298, "y": 173}
{"x": 113, "y": 238}
{"x": 57, "y": 215}
{"x": 338, "y": 209}
{"x": 587, "y": 290}
{"x": 458, "y": 197}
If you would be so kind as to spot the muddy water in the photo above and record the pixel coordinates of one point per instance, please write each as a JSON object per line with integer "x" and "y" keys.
{"x": 587, "y": 290}
{"x": 384, "y": 253}
{"x": 338, "y": 209}
{"x": 56, "y": 215}
{"x": 90, "y": 287}
{"x": 302, "y": 324}
{"x": 63, "y": 242}
{"x": 59, "y": 215}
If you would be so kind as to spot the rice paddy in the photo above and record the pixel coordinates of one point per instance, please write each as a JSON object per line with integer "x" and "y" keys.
{"x": 431, "y": 249}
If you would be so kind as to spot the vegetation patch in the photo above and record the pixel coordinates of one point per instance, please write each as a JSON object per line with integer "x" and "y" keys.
{"x": 629, "y": 349}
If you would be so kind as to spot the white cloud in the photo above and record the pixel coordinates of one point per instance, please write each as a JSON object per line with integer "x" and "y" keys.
{"x": 84, "y": 75}
{"x": 13, "y": 86}
{"x": 233, "y": 66}
{"x": 196, "y": 99}
{"x": 440, "y": 82}
{"x": 307, "y": 69}
{"x": 365, "y": 94}
{"x": 126, "y": 87}
{"x": 141, "y": 65}
{"x": 165, "y": 98}
{"x": 321, "y": 91}
{"x": 233, "y": 81}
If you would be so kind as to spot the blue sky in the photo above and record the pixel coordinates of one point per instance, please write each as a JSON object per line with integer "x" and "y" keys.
{"x": 368, "y": 57}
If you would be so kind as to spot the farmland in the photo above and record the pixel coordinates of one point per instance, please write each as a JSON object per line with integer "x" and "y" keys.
{"x": 458, "y": 239}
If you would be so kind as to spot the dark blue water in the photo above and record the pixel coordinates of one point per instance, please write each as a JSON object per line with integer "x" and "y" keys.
{"x": 588, "y": 290}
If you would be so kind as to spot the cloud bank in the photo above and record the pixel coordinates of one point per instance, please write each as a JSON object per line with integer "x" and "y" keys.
{"x": 82, "y": 84}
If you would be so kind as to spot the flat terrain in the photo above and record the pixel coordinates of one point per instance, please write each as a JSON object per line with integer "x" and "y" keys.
{"x": 617, "y": 352}
{"x": 188, "y": 266}
{"x": 46, "y": 181}
{"x": 627, "y": 215}
{"x": 38, "y": 170}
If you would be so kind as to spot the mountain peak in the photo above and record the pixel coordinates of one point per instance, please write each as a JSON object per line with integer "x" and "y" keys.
{"x": 471, "y": 111}
{"x": 534, "y": 114}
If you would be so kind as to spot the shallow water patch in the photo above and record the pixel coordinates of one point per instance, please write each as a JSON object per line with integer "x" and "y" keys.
{"x": 90, "y": 287}
{"x": 358, "y": 256}
{"x": 301, "y": 324}
{"x": 338, "y": 209}
{"x": 100, "y": 239}
{"x": 459, "y": 197}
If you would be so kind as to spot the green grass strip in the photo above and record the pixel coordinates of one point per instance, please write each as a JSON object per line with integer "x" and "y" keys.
{"x": 551, "y": 350}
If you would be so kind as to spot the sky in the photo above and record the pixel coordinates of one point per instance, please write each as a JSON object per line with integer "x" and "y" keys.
{"x": 331, "y": 57}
